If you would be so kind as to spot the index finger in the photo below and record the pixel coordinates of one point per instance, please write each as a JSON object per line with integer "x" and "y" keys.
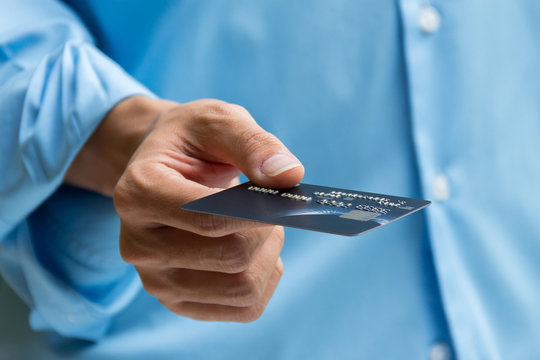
{"x": 150, "y": 194}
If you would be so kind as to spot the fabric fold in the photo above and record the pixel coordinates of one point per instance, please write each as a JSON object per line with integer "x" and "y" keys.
{"x": 55, "y": 87}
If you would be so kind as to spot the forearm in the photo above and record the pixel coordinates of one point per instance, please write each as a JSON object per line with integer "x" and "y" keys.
{"x": 102, "y": 160}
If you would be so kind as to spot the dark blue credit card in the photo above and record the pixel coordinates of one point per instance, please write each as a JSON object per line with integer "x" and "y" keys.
{"x": 310, "y": 207}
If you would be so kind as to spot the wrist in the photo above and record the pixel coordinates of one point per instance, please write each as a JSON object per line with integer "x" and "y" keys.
{"x": 103, "y": 158}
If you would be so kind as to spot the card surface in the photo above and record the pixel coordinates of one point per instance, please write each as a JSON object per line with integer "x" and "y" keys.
{"x": 310, "y": 207}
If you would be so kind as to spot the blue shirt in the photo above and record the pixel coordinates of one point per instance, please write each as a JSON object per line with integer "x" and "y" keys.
{"x": 435, "y": 99}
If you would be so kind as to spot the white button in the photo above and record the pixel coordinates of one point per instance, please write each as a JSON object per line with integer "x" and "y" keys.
{"x": 440, "y": 351}
{"x": 441, "y": 188}
{"x": 429, "y": 19}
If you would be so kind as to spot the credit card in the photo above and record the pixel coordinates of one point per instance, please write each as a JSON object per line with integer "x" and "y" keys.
{"x": 310, "y": 207}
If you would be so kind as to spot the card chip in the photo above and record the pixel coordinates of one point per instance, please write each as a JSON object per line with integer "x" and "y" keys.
{"x": 359, "y": 215}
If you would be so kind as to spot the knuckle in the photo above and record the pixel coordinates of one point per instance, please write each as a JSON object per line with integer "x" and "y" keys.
{"x": 133, "y": 184}
{"x": 279, "y": 269}
{"x": 134, "y": 255}
{"x": 133, "y": 251}
{"x": 234, "y": 254}
{"x": 238, "y": 111}
{"x": 153, "y": 289}
{"x": 138, "y": 178}
{"x": 223, "y": 109}
{"x": 212, "y": 116}
{"x": 121, "y": 198}
{"x": 189, "y": 310}
{"x": 248, "y": 289}
{"x": 251, "y": 314}
{"x": 257, "y": 139}
{"x": 177, "y": 307}
{"x": 128, "y": 252}
{"x": 156, "y": 288}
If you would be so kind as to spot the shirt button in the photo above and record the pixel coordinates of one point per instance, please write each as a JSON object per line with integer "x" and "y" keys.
{"x": 429, "y": 19}
{"x": 441, "y": 188}
{"x": 440, "y": 351}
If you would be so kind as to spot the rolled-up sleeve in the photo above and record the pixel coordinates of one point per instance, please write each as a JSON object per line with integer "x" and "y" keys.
{"x": 55, "y": 87}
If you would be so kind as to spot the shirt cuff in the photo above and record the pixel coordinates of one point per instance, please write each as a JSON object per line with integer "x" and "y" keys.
{"x": 67, "y": 96}
{"x": 54, "y": 108}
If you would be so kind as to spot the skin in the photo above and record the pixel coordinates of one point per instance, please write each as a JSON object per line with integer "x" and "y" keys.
{"x": 153, "y": 156}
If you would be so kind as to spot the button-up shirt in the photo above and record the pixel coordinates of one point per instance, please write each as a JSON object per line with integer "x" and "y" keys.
{"x": 434, "y": 99}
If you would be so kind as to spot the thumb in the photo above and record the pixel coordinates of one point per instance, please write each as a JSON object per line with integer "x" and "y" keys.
{"x": 257, "y": 153}
{"x": 269, "y": 163}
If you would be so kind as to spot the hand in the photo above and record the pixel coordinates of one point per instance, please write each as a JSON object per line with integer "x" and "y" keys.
{"x": 202, "y": 266}
{"x": 103, "y": 158}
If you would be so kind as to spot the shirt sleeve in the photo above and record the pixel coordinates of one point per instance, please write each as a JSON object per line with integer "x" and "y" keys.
{"x": 55, "y": 87}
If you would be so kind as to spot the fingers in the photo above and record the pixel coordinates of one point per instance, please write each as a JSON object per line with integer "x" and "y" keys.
{"x": 227, "y": 133}
{"x": 166, "y": 247}
{"x": 242, "y": 289}
{"x": 218, "y": 296}
{"x": 212, "y": 312}
{"x": 203, "y": 266}
{"x": 195, "y": 145}
{"x": 150, "y": 194}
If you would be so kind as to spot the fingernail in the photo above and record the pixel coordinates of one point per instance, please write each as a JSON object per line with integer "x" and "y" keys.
{"x": 278, "y": 164}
